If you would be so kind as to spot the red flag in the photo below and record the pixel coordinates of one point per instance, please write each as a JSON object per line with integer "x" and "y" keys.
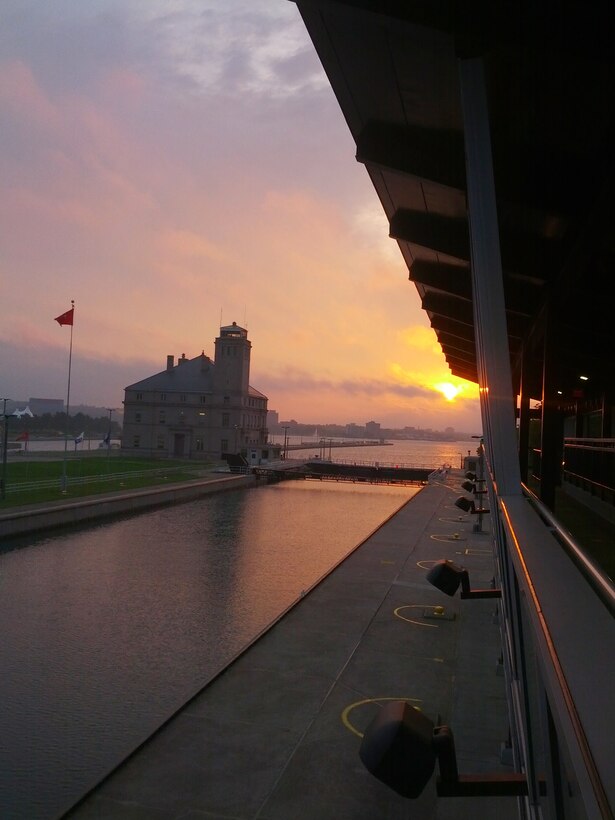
{"x": 65, "y": 318}
{"x": 25, "y": 436}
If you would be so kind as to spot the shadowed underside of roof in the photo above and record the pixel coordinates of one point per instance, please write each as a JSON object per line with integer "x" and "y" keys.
{"x": 549, "y": 69}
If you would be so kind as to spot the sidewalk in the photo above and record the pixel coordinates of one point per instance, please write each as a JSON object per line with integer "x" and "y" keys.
{"x": 276, "y": 735}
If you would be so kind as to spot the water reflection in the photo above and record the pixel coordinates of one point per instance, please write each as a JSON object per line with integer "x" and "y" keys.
{"x": 108, "y": 629}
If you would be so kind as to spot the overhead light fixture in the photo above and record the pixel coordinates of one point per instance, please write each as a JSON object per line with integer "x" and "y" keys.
{"x": 447, "y": 576}
{"x": 402, "y": 745}
{"x": 584, "y": 378}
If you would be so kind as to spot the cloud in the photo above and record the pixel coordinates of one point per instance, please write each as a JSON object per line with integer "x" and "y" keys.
{"x": 248, "y": 48}
{"x": 43, "y": 372}
{"x": 304, "y": 382}
{"x": 169, "y": 162}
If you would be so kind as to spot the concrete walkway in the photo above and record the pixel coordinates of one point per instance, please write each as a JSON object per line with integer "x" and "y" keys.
{"x": 276, "y": 735}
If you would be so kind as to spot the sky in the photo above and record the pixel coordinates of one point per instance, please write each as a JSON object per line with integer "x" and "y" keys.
{"x": 176, "y": 165}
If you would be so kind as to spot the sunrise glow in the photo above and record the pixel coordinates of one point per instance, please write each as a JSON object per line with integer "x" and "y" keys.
{"x": 194, "y": 176}
{"x": 448, "y": 390}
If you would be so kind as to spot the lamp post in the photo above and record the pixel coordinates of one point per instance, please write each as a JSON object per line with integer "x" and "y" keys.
{"x": 236, "y": 428}
{"x": 285, "y": 452}
{"x": 5, "y": 439}
{"x": 110, "y": 411}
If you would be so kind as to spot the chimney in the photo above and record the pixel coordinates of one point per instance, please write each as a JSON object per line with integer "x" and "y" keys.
{"x": 183, "y": 359}
{"x": 170, "y": 362}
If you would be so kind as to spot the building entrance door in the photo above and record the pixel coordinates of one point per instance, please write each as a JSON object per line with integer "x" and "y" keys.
{"x": 179, "y": 441}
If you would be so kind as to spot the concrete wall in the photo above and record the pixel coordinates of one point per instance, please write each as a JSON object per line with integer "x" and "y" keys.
{"x": 59, "y": 514}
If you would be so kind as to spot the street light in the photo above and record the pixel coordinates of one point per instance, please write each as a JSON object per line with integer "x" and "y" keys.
{"x": 285, "y": 453}
{"x": 110, "y": 410}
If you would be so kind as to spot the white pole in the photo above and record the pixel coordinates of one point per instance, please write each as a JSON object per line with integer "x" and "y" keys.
{"x": 70, "y": 358}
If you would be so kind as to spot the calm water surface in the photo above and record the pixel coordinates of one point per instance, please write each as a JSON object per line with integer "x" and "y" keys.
{"x": 108, "y": 629}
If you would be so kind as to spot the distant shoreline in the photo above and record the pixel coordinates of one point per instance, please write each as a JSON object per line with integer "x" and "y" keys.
{"x": 309, "y": 445}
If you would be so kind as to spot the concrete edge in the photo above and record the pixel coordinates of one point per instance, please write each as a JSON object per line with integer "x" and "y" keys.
{"x": 27, "y": 520}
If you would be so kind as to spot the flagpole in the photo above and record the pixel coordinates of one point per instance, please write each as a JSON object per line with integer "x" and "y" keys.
{"x": 70, "y": 359}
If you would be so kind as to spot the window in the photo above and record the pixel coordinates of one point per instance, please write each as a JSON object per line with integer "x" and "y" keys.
{"x": 162, "y": 417}
{"x": 160, "y": 443}
{"x": 226, "y": 400}
{"x": 203, "y": 399}
{"x": 182, "y": 397}
{"x": 136, "y": 442}
{"x": 225, "y": 419}
{"x": 224, "y": 445}
{"x": 139, "y": 396}
{"x": 163, "y": 397}
{"x": 137, "y": 417}
{"x": 199, "y": 445}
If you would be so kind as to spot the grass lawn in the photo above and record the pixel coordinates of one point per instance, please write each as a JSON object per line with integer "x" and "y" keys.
{"x": 29, "y": 482}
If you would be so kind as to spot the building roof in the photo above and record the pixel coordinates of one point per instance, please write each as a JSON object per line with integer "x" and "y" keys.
{"x": 549, "y": 71}
{"x": 233, "y": 330}
{"x": 187, "y": 376}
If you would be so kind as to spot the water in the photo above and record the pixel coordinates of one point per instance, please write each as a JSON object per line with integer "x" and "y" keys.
{"x": 108, "y": 629}
{"x": 414, "y": 453}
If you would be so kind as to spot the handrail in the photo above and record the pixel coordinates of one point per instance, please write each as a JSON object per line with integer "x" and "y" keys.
{"x": 46, "y": 483}
{"x": 605, "y": 442}
{"x": 597, "y": 484}
{"x": 563, "y": 685}
{"x": 383, "y": 464}
{"x": 600, "y": 582}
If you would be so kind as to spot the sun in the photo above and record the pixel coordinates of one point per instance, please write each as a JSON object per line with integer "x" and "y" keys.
{"x": 448, "y": 390}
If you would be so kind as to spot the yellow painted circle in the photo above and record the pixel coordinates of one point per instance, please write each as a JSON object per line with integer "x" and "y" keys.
{"x": 348, "y": 710}
{"x": 410, "y": 620}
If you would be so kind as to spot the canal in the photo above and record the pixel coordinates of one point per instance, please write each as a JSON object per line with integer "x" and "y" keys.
{"x": 109, "y": 629}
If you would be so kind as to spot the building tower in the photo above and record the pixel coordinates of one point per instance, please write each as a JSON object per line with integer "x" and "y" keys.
{"x": 232, "y": 361}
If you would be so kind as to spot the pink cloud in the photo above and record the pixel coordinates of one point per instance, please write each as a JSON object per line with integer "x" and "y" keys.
{"x": 20, "y": 92}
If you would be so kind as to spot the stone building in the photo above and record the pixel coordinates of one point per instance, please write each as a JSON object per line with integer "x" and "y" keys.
{"x": 199, "y": 407}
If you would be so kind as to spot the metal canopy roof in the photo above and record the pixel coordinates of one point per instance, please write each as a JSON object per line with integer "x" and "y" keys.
{"x": 393, "y": 67}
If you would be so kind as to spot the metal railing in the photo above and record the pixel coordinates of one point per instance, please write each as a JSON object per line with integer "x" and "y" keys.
{"x": 601, "y": 583}
{"x": 387, "y": 464}
{"x": 589, "y": 464}
{"x": 77, "y": 481}
{"x": 556, "y": 619}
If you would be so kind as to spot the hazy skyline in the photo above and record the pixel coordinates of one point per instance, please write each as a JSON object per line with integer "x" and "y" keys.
{"x": 172, "y": 166}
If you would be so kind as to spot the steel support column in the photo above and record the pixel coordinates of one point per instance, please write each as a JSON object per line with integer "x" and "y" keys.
{"x": 493, "y": 356}
{"x": 524, "y": 418}
{"x": 551, "y": 430}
